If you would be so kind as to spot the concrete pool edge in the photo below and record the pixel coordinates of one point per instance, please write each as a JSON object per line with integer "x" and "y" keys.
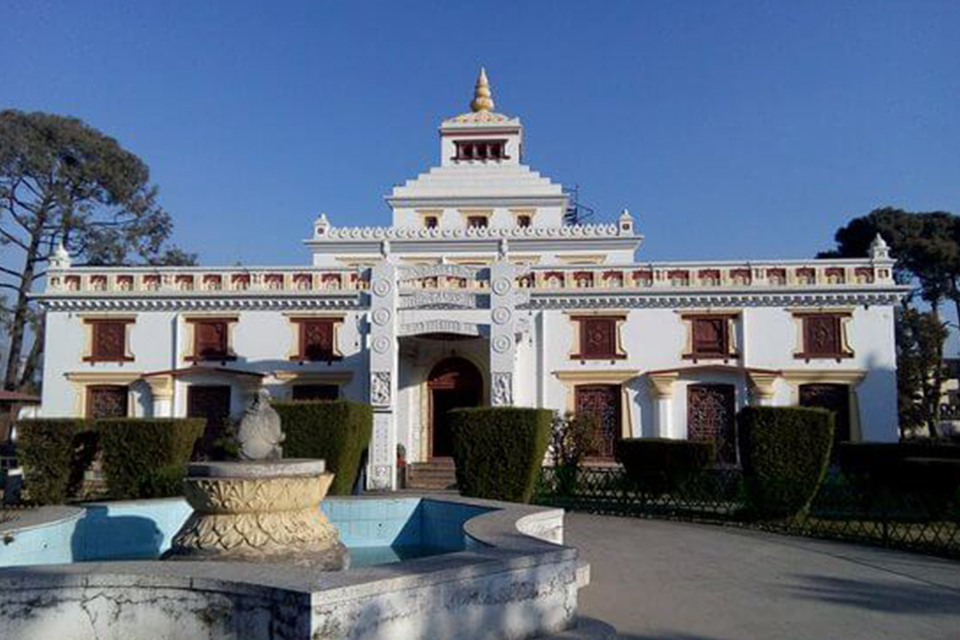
{"x": 506, "y": 582}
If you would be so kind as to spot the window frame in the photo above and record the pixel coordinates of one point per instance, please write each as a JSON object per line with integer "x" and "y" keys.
{"x": 839, "y": 320}
{"x": 302, "y": 324}
{"x": 728, "y": 349}
{"x": 94, "y": 354}
{"x": 226, "y": 355}
{"x": 480, "y": 149}
{"x": 583, "y": 323}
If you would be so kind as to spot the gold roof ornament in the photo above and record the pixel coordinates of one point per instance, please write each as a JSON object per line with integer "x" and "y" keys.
{"x": 482, "y": 97}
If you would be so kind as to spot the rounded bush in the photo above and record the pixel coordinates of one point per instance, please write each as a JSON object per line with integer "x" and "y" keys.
{"x": 163, "y": 482}
{"x": 337, "y": 431}
{"x": 784, "y": 452}
{"x": 498, "y": 451}
{"x": 48, "y": 448}
{"x": 661, "y": 465}
{"x": 134, "y": 448}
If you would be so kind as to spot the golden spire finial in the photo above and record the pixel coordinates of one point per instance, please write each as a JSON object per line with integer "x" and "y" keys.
{"x": 482, "y": 98}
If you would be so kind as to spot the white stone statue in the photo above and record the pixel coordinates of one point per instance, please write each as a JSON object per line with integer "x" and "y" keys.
{"x": 260, "y": 432}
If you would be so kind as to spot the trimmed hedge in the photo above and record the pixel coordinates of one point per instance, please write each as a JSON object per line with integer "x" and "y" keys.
{"x": 928, "y": 470}
{"x": 784, "y": 452}
{"x": 163, "y": 482}
{"x": 54, "y": 453}
{"x": 135, "y": 448}
{"x": 338, "y": 431}
{"x": 498, "y": 451}
{"x": 661, "y": 465}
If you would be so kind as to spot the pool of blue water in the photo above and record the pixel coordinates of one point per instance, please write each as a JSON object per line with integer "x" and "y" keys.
{"x": 375, "y": 530}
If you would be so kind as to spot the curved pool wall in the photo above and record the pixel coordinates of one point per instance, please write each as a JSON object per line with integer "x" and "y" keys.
{"x": 143, "y": 529}
{"x": 500, "y": 572}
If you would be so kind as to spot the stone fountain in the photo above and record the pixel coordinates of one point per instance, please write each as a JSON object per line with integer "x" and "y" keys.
{"x": 262, "y": 507}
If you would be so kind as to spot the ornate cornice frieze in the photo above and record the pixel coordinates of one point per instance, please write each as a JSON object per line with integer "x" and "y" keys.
{"x": 440, "y": 299}
{"x": 587, "y": 300}
{"x": 603, "y": 230}
{"x": 252, "y": 303}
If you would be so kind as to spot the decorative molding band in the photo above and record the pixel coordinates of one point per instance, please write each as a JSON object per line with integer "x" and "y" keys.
{"x": 597, "y": 376}
{"x": 411, "y": 233}
{"x": 439, "y": 300}
{"x": 588, "y": 300}
{"x": 439, "y": 270}
{"x": 440, "y": 326}
{"x": 83, "y": 303}
{"x": 319, "y": 377}
{"x": 839, "y": 376}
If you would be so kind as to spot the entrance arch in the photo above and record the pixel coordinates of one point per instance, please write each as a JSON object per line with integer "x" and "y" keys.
{"x": 453, "y": 383}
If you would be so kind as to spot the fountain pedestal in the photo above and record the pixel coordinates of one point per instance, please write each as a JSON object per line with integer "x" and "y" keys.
{"x": 265, "y": 510}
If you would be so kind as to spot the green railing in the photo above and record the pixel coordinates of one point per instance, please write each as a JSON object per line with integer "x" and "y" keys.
{"x": 841, "y": 510}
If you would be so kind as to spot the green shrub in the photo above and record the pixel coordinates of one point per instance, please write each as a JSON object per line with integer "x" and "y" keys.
{"x": 337, "y": 431}
{"x": 785, "y": 452}
{"x": 135, "y": 448}
{"x": 54, "y": 453}
{"x": 498, "y": 451}
{"x": 661, "y": 465}
{"x": 163, "y": 482}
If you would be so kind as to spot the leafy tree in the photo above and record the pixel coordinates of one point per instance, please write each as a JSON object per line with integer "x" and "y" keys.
{"x": 926, "y": 247}
{"x": 62, "y": 181}
{"x": 920, "y": 370}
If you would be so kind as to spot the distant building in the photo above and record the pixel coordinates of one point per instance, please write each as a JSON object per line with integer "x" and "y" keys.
{"x": 480, "y": 291}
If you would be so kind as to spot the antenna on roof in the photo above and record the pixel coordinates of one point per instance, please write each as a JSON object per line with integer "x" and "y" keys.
{"x": 576, "y": 212}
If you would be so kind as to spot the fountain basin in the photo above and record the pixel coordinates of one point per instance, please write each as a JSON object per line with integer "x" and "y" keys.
{"x": 498, "y": 571}
{"x": 259, "y": 510}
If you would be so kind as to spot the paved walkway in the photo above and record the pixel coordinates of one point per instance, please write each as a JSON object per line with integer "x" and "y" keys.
{"x": 657, "y": 580}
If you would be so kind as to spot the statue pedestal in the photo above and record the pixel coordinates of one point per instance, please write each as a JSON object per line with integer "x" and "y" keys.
{"x": 267, "y": 511}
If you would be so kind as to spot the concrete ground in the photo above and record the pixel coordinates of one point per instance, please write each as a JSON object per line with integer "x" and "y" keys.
{"x": 655, "y": 580}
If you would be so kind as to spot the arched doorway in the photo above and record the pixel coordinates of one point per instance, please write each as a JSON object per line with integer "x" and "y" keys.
{"x": 453, "y": 383}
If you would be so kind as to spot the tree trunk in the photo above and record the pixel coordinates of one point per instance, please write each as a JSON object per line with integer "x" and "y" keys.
{"x": 36, "y": 351}
{"x": 11, "y": 378}
{"x": 934, "y": 387}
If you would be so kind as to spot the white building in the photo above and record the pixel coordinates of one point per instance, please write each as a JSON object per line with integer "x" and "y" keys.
{"x": 481, "y": 292}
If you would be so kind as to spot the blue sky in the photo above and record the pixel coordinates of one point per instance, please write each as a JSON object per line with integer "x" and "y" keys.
{"x": 731, "y": 129}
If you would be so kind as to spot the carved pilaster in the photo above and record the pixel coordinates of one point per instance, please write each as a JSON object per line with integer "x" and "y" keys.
{"x": 503, "y": 350}
{"x": 383, "y": 353}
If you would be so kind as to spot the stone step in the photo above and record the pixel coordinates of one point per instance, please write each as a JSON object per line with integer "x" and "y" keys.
{"x": 439, "y": 473}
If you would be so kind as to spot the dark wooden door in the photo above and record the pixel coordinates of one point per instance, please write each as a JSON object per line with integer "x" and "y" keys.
{"x": 836, "y": 398}
{"x": 601, "y": 402}
{"x": 454, "y": 383}
{"x": 212, "y": 403}
{"x": 711, "y": 413}
{"x": 107, "y": 401}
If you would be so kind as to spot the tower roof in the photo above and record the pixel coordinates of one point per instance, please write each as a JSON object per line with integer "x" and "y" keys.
{"x": 481, "y": 107}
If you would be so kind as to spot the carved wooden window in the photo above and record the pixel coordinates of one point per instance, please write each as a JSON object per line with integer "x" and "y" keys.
{"x": 107, "y": 401}
{"x": 317, "y": 339}
{"x": 777, "y": 277}
{"x": 213, "y": 282}
{"x": 823, "y": 336}
{"x": 304, "y": 392}
{"x": 711, "y": 336}
{"x": 241, "y": 281}
{"x": 211, "y": 340}
{"x": 598, "y": 338}
{"x": 806, "y": 275}
{"x": 108, "y": 341}
{"x": 711, "y": 411}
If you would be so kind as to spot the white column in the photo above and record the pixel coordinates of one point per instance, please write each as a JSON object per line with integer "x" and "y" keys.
{"x": 503, "y": 344}
{"x": 161, "y": 396}
{"x": 382, "y": 347}
{"x": 661, "y": 387}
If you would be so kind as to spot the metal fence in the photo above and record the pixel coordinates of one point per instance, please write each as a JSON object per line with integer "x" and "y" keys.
{"x": 841, "y": 510}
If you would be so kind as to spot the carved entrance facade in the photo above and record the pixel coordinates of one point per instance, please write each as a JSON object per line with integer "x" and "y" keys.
{"x": 601, "y": 403}
{"x": 453, "y": 383}
{"x": 711, "y": 416}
